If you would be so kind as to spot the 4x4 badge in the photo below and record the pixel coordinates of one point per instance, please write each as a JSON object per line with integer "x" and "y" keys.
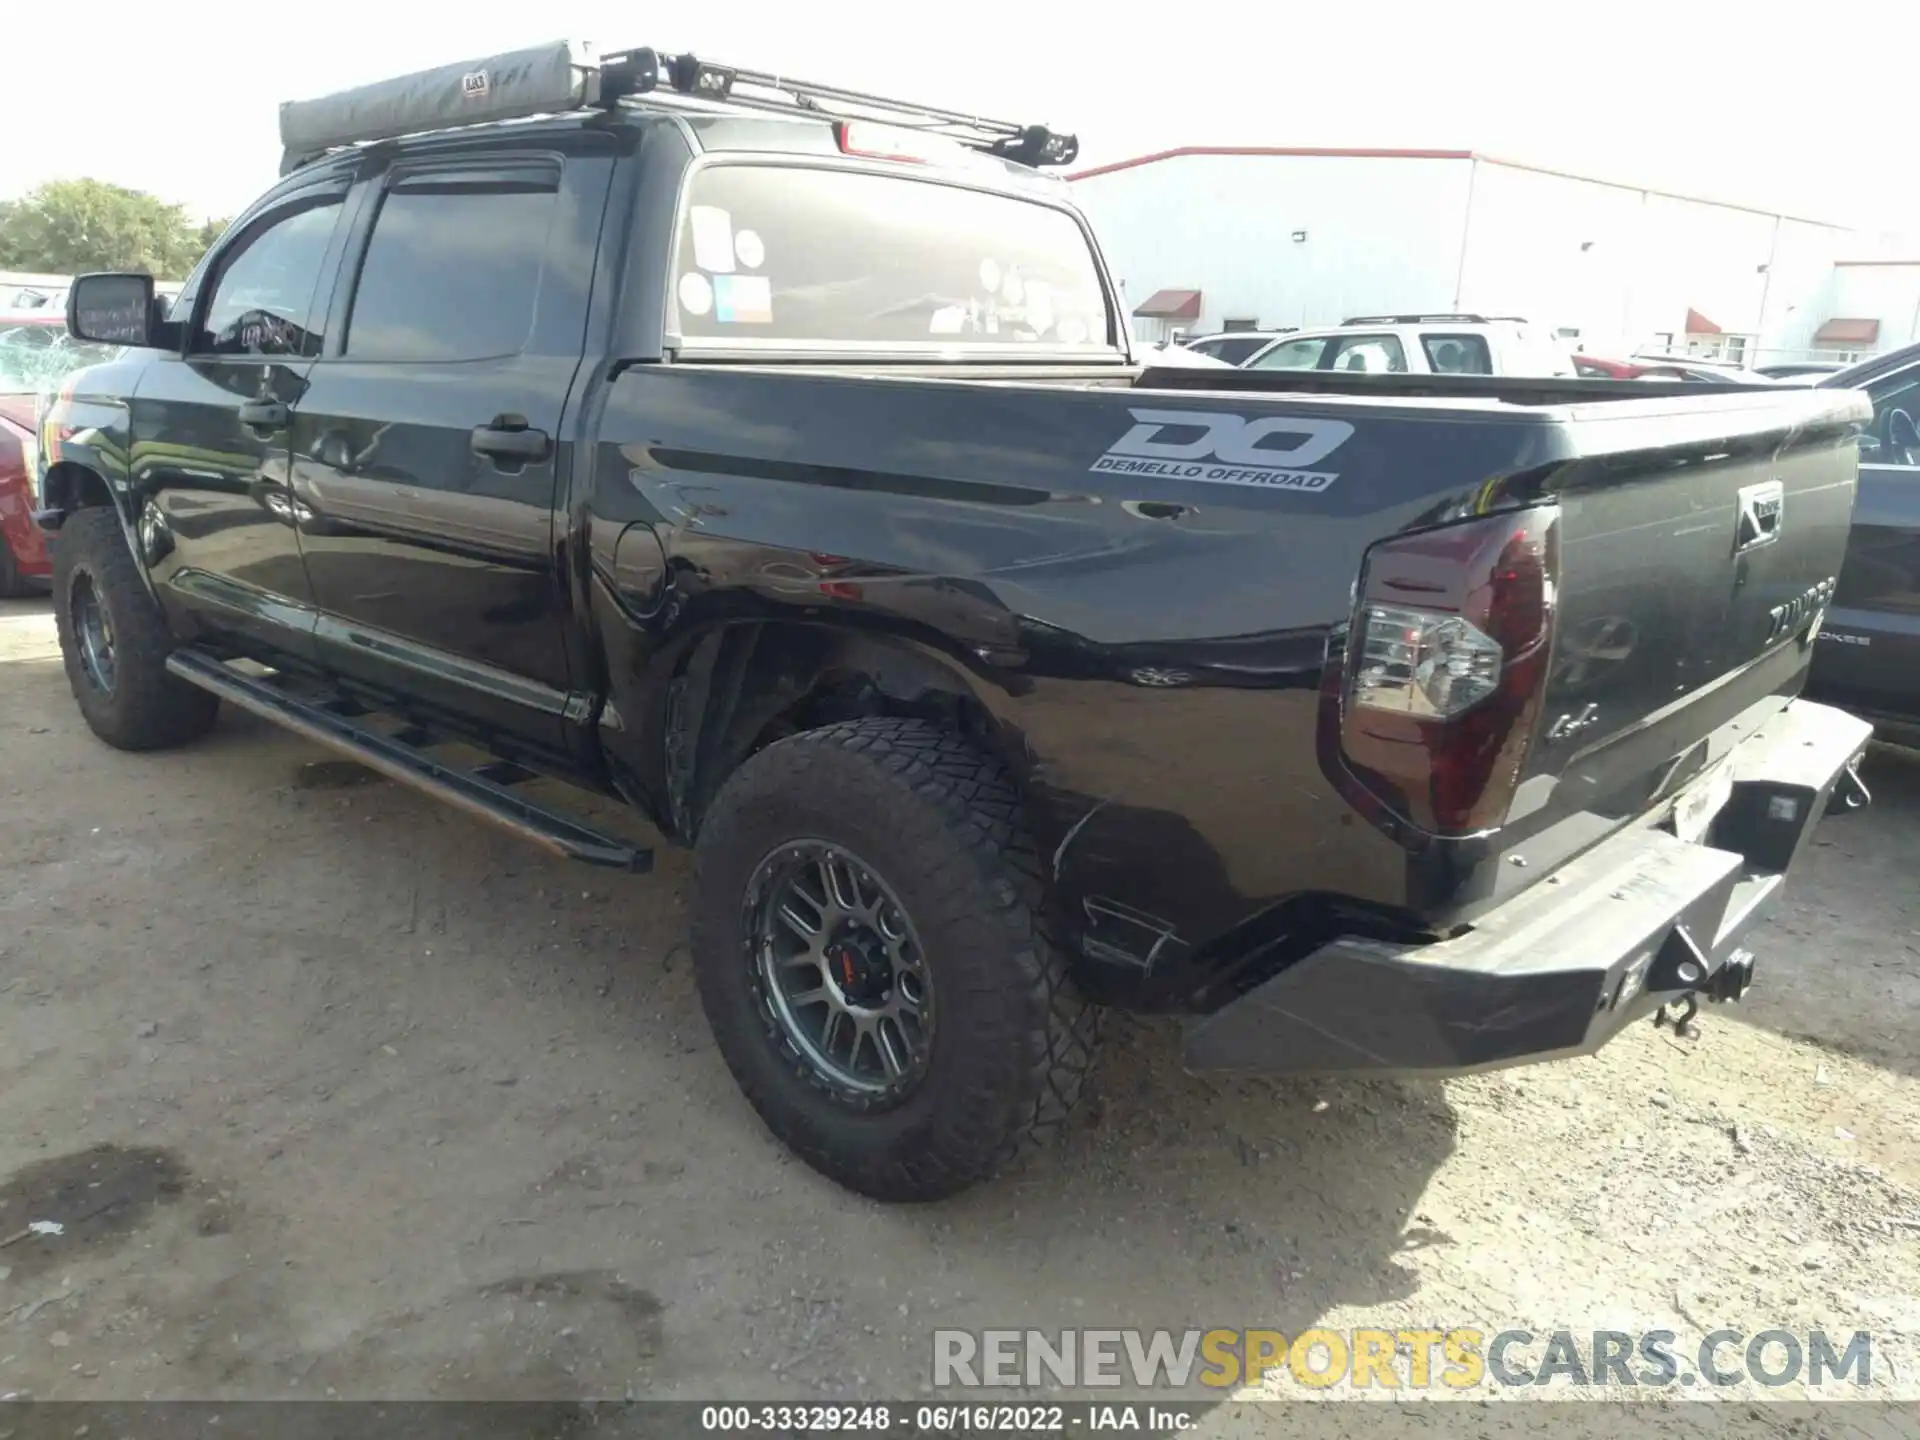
{"x": 1762, "y": 508}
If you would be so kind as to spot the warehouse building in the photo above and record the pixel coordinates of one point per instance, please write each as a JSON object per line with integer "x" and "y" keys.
{"x": 1207, "y": 239}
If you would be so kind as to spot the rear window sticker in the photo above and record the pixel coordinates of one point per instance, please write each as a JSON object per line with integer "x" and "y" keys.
{"x": 712, "y": 238}
{"x": 743, "y": 300}
{"x": 747, "y": 246}
{"x": 990, "y": 275}
{"x": 696, "y": 294}
{"x": 948, "y": 320}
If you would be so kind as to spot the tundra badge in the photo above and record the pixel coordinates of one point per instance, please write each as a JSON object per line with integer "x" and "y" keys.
{"x": 1807, "y": 605}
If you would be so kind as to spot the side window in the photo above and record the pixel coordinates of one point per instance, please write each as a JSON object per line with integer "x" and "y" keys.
{"x": 1457, "y": 354}
{"x": 1370, "y": 354}
{"x": 1292, "y": 355}
{"x": 263, "y": 288}
{"x": 452, "y": 270}
{"x": 1893, "y": 436}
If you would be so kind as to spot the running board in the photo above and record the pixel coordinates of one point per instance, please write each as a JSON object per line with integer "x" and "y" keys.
{"x": 473, "y": 792}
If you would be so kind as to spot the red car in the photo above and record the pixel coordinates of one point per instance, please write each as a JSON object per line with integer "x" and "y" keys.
{"x": 1675, "y": 367}
{"x": 36, "y": 356}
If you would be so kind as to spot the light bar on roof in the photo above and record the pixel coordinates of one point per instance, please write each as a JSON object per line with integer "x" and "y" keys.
{"x": 559, "y": 76}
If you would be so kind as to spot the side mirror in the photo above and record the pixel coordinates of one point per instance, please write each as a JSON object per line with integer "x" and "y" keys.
{"x": 112, "y": 309}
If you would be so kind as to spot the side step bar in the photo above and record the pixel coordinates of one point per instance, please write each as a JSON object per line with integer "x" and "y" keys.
{"x": 462, "y": 788}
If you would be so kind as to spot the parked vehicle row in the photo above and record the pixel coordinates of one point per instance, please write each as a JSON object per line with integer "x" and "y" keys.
{"x": 1868, "y": 656}
{"x": 1470, "y": 345}
{"x": 1434, "y": 344}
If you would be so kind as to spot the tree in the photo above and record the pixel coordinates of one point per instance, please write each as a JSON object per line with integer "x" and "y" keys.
{"x": 68, "y": 227}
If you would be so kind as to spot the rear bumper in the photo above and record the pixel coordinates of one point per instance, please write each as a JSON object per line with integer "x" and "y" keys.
{"x": 1637, "y": 922}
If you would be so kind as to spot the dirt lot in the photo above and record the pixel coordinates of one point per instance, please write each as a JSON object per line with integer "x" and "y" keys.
{"x": 387, "y": 1104}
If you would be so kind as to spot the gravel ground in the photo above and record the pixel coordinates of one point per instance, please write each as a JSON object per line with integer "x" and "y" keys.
{"x": 340, "y": 1093}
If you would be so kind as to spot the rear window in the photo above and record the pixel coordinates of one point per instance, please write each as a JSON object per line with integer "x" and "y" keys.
{"x": 790, "y": 255}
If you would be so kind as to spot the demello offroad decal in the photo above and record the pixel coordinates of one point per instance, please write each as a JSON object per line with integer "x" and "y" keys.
{"x": 1276, "y": 452}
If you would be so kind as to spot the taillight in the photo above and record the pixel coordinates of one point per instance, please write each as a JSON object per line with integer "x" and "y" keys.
{"x": 1446, "y": 663}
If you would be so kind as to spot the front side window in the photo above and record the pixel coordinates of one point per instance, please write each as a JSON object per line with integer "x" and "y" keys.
{"x": 802, "y": 256}
{"x": 1293, "y": 355}
{"x": 453, "y": 266}
{"x": 1893, "y": 435}
{"x": 264, "y": 287}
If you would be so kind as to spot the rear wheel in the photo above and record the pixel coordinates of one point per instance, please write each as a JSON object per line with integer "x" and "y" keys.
{"x": 115, "y": 641}
{"x": 873, "y": 957}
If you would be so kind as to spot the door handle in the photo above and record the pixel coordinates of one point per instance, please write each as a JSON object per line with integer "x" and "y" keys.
{"x": 507, "y": 437}
{"x": 264, "y": 416}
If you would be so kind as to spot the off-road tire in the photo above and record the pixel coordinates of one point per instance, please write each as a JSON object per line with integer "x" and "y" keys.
{"x": 147, "y": 708}
{"x": 940, "y": 821}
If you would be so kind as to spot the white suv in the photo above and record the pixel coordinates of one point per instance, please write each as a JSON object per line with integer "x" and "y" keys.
{"x": 1420, "y": 345}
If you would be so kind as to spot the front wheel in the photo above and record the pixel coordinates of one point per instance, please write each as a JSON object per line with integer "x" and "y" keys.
{"x": 115, "y": 642}
{"x": 872, "y": 954}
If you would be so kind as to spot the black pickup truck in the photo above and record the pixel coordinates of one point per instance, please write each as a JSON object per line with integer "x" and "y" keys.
{"x": 702, "y": 442}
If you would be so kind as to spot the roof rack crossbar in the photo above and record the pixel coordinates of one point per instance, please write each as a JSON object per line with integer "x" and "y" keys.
{"x": 1424, "y": 319}
{"x": 643, "y": 71}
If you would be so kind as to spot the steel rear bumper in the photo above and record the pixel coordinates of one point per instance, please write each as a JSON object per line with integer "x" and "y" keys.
{"x": 1639, "y": 921}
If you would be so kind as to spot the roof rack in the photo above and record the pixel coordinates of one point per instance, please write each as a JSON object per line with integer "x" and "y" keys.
{"x": 1432, "y": 319}
{"x": 640, "y": 72}
{"x": 567, "y": 75}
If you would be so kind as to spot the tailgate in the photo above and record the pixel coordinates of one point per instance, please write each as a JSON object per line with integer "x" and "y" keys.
{"x": 1699, "y": 547}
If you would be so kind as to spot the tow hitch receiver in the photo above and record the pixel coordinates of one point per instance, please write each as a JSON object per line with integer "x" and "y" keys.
{"x": 1730, "y": 982}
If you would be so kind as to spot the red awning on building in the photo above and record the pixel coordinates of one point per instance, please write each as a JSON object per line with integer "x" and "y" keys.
{"x": 1170, "y": 305}
{"x": 1698, "y": 324}
{"x": 1848, "y": 332}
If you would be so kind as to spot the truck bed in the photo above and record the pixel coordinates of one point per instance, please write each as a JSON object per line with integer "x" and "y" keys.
{"x": 1148, "y": 608}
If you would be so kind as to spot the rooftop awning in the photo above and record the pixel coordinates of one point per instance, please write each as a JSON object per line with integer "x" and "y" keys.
{"x": 1170, "y": 305}
{"x": 1698, "y": 324}
{"x": 1848, "y": 332}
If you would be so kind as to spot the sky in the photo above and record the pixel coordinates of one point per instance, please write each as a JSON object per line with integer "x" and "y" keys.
{"x": 1807, "y": 109}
